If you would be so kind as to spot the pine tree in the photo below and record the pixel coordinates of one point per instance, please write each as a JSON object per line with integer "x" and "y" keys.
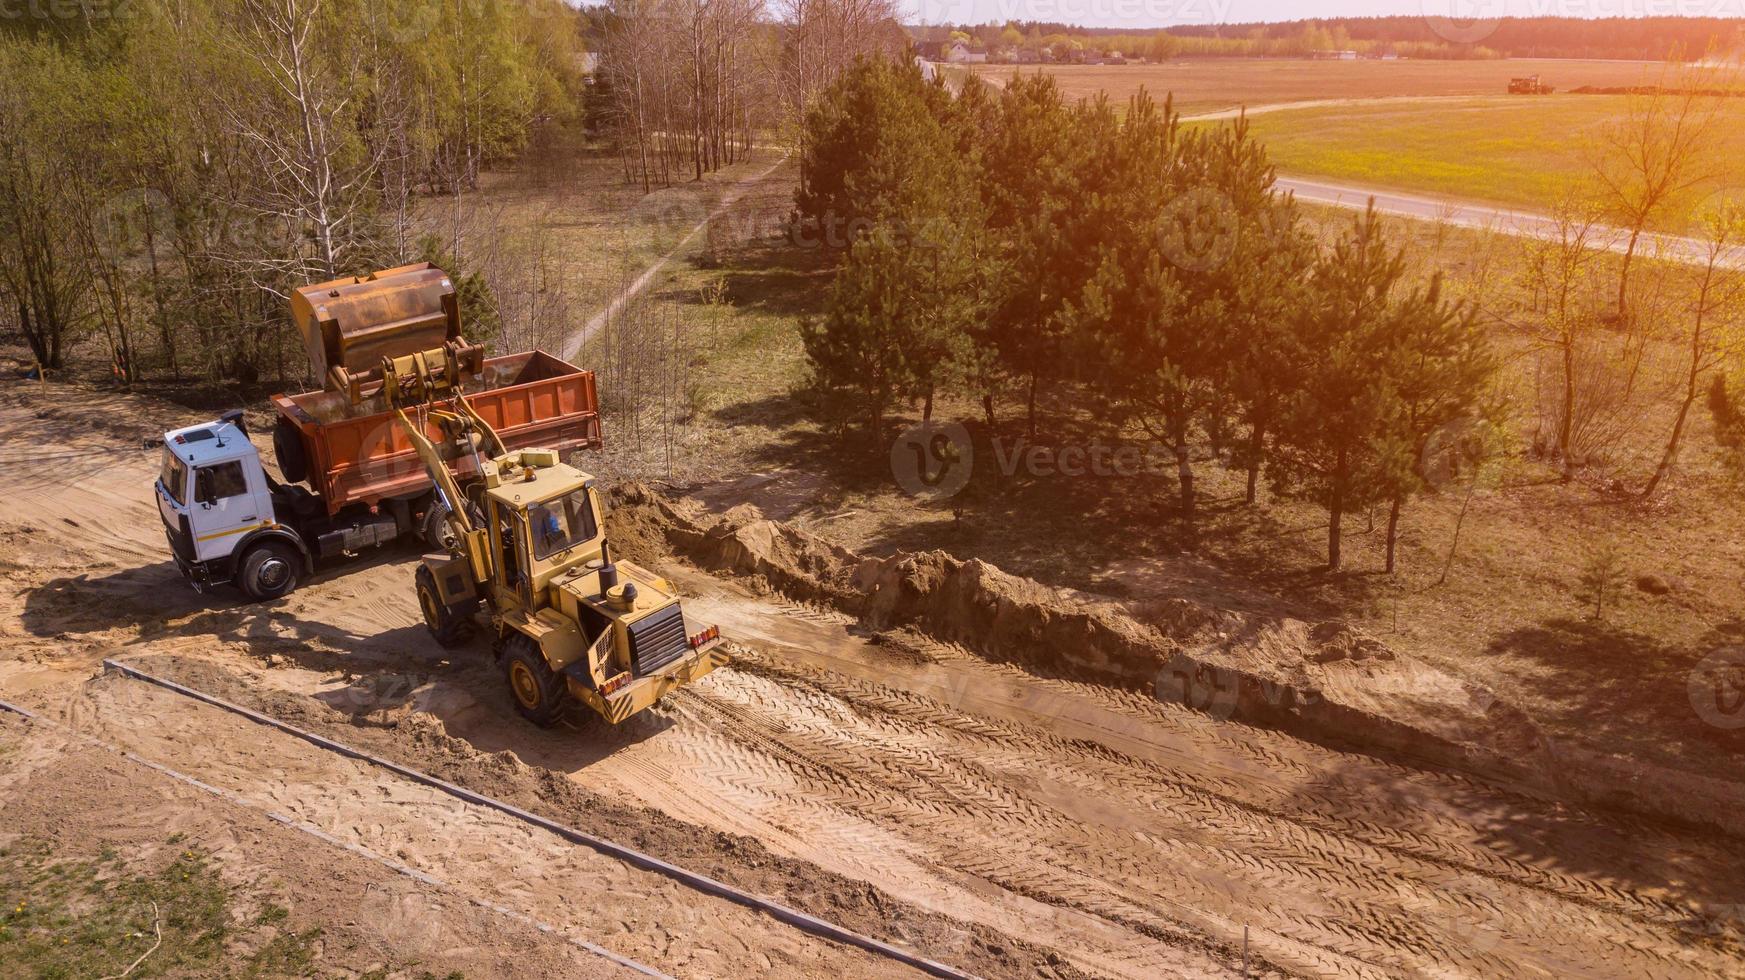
{"x": 1337, "y": 418}
{"x": 878, "y": 118}
{"x": 1266, "y": 278}
{"x": 1038, "y": 188}
{"x": 910, "y": 290}
{"x": 1441, "y": 366}
{"x": 1200, "y": 263}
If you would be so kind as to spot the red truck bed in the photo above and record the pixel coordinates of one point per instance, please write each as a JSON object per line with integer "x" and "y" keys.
{"x": 357, "y": 455}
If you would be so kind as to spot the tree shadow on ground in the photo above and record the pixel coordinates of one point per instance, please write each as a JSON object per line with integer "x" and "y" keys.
{"x": 1077, "y": 530}
{"x": 1690, "y": 864}
{"x": 1616, "y": 682}
{"x": 156, "y": 602}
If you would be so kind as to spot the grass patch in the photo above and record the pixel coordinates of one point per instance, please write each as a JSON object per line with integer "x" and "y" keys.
{"x": 1518, "y": 152}
{"x": 67, "y": 917}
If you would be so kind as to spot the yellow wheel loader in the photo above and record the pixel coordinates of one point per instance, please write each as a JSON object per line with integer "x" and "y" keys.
{"x": 528, "y": 556}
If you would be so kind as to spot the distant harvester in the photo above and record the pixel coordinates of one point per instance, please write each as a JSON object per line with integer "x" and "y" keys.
{"x": 1531, "y": 85}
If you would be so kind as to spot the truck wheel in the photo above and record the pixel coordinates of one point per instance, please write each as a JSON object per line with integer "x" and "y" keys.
{"x": 269, "y": 571}
{"x": 450, "y": 625}
{"x": 288, "y": 447}
{"x": 435, "y": 531}
{"x": 537, "y": 691}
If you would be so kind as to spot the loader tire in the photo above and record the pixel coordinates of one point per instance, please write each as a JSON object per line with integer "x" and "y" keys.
{"x": 449, "y": 625}
{"x": 288, "y": 447}
{"x": 269, "y": 571}
{"x": 537, "y": 691}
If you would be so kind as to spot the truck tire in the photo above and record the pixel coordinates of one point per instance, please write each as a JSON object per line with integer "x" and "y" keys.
{"x": 288, "y": 447}
{"x": 435, "y": 531}
{"x": 537, "y": 692}
{"x": 268, "y": 571}
{"x": 450, "y": 625}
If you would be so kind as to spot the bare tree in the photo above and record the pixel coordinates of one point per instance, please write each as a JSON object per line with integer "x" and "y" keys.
{"x": 1658, "y": 154}
{"x": 824, "y": 37}
{"x": 293, "y": 130}
{"x": 1556, "y": 271}
{"x": 688, "y": 84}
{"x": 1719, "y": 290}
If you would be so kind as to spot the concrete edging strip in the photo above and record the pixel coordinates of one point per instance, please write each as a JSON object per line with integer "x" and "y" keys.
{"x": 703, "y": 883}
{"x": 361, "y": 851}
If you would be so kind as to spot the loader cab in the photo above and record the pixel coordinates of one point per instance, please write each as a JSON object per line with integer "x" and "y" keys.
{"x": 211, "y": 491}
{"x": 544, "y": 522}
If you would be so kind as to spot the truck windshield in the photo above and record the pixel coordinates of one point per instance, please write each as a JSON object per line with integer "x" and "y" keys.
{"x": 561, "y": 524}
{"x": 175, "y": 477}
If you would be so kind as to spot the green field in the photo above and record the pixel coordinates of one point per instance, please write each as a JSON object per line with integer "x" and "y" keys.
{"x": 1213, "y": 85}
{"x": 1514, "y": 151}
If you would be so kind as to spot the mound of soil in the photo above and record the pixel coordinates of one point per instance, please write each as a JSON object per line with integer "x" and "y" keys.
{"x": 1327, "y": 681}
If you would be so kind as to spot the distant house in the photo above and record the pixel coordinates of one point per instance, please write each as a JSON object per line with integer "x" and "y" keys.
{"x": 1090, "y": 57}
{"x": 1028, "y": 56}
{"x": 1333, "y": 55}
{"x": 959, "y": 53}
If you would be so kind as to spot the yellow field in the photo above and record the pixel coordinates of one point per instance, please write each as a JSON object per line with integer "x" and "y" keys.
{"x": 1214, "y": 84}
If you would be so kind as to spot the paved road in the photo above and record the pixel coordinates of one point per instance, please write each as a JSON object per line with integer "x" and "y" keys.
{"x": 1471, "y": 214}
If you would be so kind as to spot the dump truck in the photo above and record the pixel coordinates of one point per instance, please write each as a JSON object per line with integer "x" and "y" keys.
{"x": 352, "y": 480}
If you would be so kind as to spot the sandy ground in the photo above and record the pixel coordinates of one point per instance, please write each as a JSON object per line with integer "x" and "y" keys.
{"x": 1013, "y": 824}
{"x": 84, "y": 798}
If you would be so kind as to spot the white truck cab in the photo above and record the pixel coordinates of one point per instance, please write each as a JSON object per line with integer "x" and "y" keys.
{"x": 217, "y": 505}
{"x": 230, "y": 522}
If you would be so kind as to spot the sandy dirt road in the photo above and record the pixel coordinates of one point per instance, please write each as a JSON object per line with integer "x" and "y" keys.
{"x": 1126, "y": 837}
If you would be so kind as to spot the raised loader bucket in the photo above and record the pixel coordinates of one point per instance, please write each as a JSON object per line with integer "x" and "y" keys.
{"x": 349, "y": 325}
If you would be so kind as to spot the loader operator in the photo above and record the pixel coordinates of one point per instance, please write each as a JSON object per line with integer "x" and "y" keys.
{"x": 551, "y": 535}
